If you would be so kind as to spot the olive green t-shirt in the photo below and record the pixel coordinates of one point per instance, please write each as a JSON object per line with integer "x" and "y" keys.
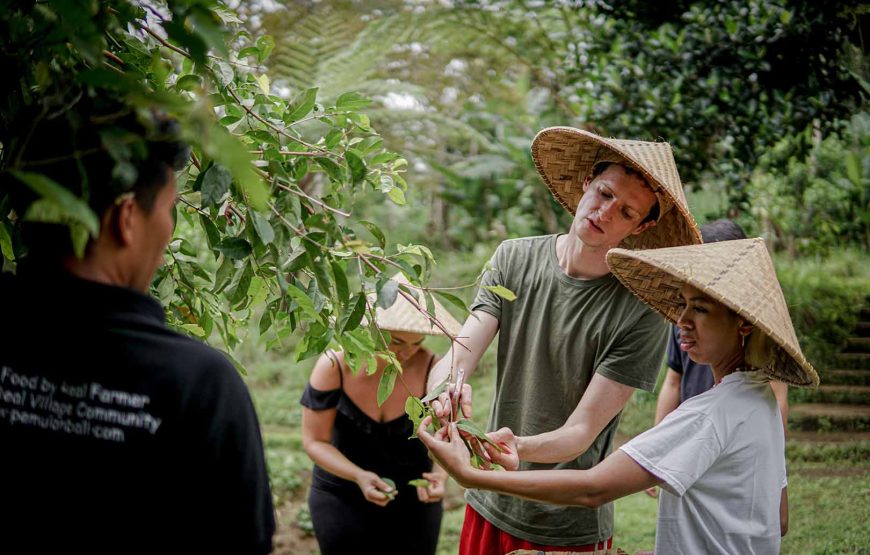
{"x": 552, "y": 339}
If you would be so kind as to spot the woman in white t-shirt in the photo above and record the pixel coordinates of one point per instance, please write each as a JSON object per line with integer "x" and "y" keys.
{"x": 719, "y": 457}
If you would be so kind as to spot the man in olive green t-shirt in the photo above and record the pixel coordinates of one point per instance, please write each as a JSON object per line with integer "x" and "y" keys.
{"x": 575, "y": 343}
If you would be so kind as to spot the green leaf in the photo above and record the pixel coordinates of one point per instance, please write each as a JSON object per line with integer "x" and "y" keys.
{"x": 265, "y": 44}
{"x": 383, "y": 158}
{"x": 186, "y": 248}
{"x": 249, "y": 51}
{"x": 387, "y": 293}
{"x": 386, "y": 184}
{"x": 419, "y": 482}
{"x": 304, "y": 301}
{"x": 416, "y": 411}
{"x": 393, "y": 491}
{"x": 470, "y": 427}
{"x": 387, "y": 383}
{"x": 397, "y": 195}
{"x": 194, "y": 329}
{"x": 215, "y": 184}
{"x": 454, "y": 300}
{"x": 314, "y": 343}
{"x": 376, "y": 232}
{"x": 234, "y": 247}
{"x": 302, "y": 105}
{"x": 355, "y": 315}
{"x": 352, "y": 101}
{"x": 502, "y": 292}
{"x": 331, "y": 168}
{"x": 6, "y": 243}
{"x": 224, "y": 275}
{"x": 225, "y": 149}
{"x": 436, "y": 391}
{"x": 341, "y": 287}
{"x": 262, "y": 227}
{"x": 188, "y": 82}
{"x": 357, "y": 167}
{"x": 263, "y": 82}
{"x": 57, "y": 205}
{"x": 237, "y": 293}
{"x": 211, "y": 231}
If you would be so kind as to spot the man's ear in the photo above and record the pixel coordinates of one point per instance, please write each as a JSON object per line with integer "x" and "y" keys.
{"x": 122, "y": 220}
{"x": 643, "y": 227}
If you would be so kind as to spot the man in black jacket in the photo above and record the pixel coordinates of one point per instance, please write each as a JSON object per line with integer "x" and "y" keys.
{"x": 118, "y": 435}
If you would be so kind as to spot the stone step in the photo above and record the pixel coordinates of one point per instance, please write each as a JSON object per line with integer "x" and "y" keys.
{"x": 844, "y": 376}
{"x": 829, "y": 417}
{"x": 828, "y": 446}
{"x": 829, "y": 393}
{"x": 862, "y": 329}
{"x": 857, "y": 345}
{"x": 859, "y": 361}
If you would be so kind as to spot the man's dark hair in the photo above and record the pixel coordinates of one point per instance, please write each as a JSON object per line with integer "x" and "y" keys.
{"x": 601, "y": 167}
{"x": 721, "y": 230}
{"x": 99, "y": 149}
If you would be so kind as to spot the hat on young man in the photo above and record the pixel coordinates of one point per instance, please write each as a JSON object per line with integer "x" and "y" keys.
{"x": 565, "y": 157}
{"x": 738, "y": 274}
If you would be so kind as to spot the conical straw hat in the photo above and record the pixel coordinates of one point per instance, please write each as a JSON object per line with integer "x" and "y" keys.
{"x": 402, "y": 316}
{"x": 566, "y": 156}
{"x": 738, "y": 274}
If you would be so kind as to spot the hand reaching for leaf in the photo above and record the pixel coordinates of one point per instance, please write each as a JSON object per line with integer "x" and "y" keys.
{"x": 434, "y": 490}
{"x": 444, "y": 404}
{"x": 508, "y": 456}
{"x": 448, "y": 449}
{"x": 374, "y": 489}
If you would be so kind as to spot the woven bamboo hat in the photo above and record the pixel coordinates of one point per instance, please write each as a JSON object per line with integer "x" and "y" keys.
{"x": 566, "y": 156}
{"x": 738, "y": 274}
{"x": 402, "y": 316}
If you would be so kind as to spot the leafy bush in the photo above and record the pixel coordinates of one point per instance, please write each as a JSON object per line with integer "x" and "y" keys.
{"x": 814, "y": 203}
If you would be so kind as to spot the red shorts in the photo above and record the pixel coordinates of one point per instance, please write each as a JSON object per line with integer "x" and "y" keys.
{"x": 480, "y": 537}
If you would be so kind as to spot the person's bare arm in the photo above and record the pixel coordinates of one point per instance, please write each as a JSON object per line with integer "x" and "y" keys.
{"x": 669, "y": 396}
{"x": 600, "y": 404}
{"x": 617, "y": 476}
{"x": 476, "y": 335}
{"x": 780, "y": 391}
{"x": 783, "y": 512}
{"x": 317, "y": 428}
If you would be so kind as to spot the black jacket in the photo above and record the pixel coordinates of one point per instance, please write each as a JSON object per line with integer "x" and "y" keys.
{"x": 117, "y": 434}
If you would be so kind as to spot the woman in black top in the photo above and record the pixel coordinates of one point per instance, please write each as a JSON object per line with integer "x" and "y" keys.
{"x": 354, "y": 444}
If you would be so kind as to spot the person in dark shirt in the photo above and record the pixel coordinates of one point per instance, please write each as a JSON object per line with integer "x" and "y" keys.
{"x": 119, "y": 435}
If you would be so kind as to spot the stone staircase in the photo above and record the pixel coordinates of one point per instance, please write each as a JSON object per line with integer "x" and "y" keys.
{"x": 833, "y": 421}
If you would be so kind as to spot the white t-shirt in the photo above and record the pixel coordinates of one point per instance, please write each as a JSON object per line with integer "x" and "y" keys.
{"x": 721, "y": 457}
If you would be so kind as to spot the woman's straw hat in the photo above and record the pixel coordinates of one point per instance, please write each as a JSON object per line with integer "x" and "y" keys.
{"x": 738, "y": 274}
{"x": 566, "y": 156}
{"x": 402, "y": 316}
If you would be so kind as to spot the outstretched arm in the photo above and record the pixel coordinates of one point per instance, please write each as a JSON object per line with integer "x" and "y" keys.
{"x": 476, "y": 335}
{"x": 617, "y": 476}
{"x": 600, "y": 404}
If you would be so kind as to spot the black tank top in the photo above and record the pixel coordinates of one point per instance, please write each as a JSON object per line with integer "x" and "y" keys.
{"x": 380, "y": 447}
